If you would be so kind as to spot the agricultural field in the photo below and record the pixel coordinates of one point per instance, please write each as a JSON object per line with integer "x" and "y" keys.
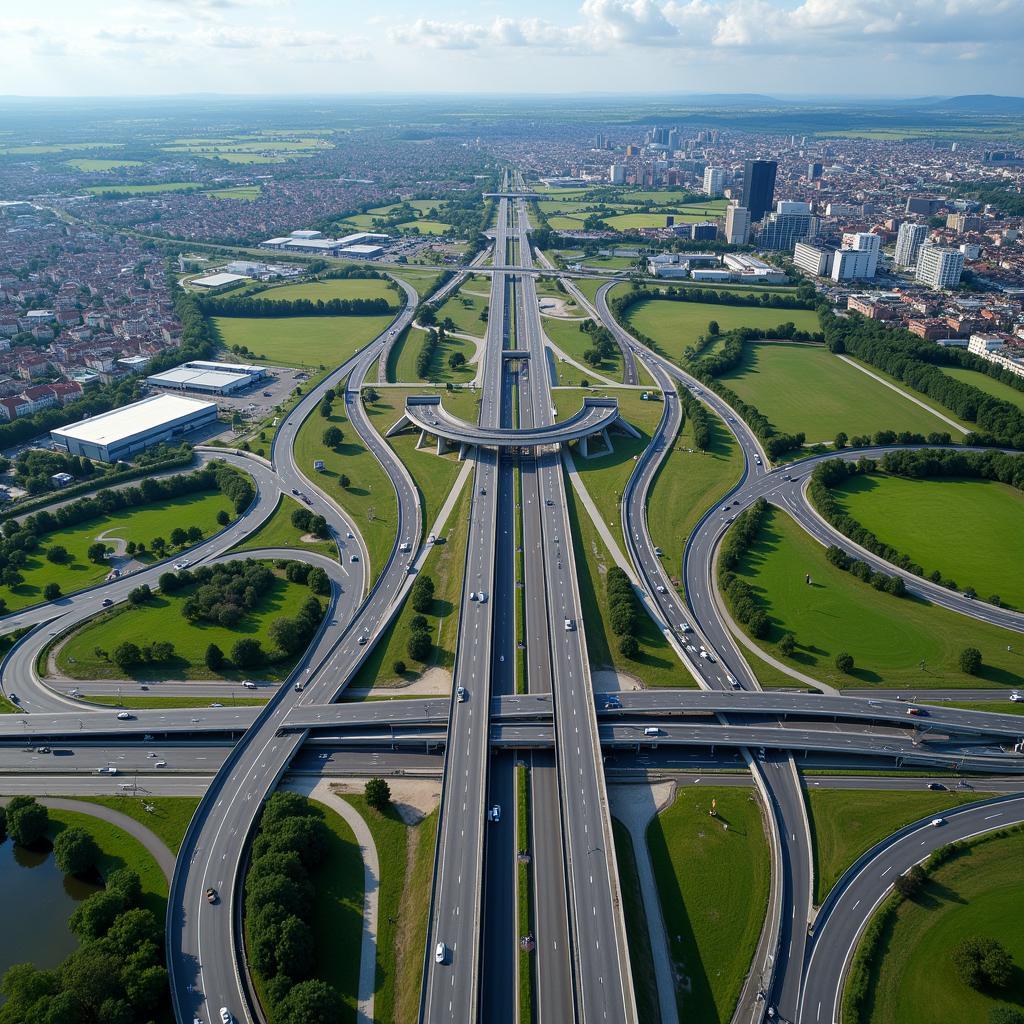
{"x": 243, "y": 192}
{"x": 138, "y": 524}
{"x": 802, "y": 387}
{"x": 896, "y": 642}
{"x": 259, "y": 148}
{"x": 847, "y": 822}
{"x": 88, "y": 164}
{"x": 996, "y": 388}
{"x": 143, "y": 190}
{"x": 44, "y": 149}
{"x": 332, "y": 288}
{"x": 713, "y": 888}
{"x": 977, "y": 893}
{"x": 77, "y": 658}
{"x": 967, "y": 529}
{"x": 309, "y": 341}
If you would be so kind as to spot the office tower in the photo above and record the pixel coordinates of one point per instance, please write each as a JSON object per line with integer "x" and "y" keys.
{"x": 714, "y": 181}
{"x": 813, "y": 171}
{"x": 812, "y": 259}
{"x": 706, "y": 231}
{"x": 908, "y": 243}
{"x": 670, "y": 220}
{"x": 759, "y": 187}
{"x": 790, "y": 223}
{"x": 939, "y": 267}
{"x": 617, "y": 174}
{"x": 673, "y": 139}
{"x": 925, "y": 205}
{"x": 737, "y": 224}
{"x": 858, "y": 257}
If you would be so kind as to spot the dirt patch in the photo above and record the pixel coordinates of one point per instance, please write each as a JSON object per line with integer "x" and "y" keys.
{"x": 413, "y": 799}
{"x": 561, "y": 308}
{"x": 610, "y": 679}
{"x": 433, "y": 681}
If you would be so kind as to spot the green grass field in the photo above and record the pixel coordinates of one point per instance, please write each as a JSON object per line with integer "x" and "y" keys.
{"x": 138, "y": 524}
{"x": 977, "y": 893}
{"x": 994, "y": 387}
{"x": 278, "y": 532}
{"x": 847, "y": 822}
{"x": 967, "y": 529}
{"x": 162, "y": 617}
{"x": 168, "y": 818}
{"x": 244, "y": 192}
{"x": 421, "y": 280}
{"x": 402, "y": 361}
{"x": 676, "y": 325}
{"x": 444, "y": 565}
{"x": 144, "y": 190}
{"x": 118, "y": 850}
{"x": 803, "y": 387}
{"x": 464, "y": 311}
{"x": 605, "y": 476}
{"x": 406, "y": 855}
{"x": 161, "y": 703}
{"x": 332, "y": 288}
{"x": 566, "y": 334}
{"x": 713, "y": 887}
{"x": 87, "y": 165}
{"x": 688, "y": 482}
{"x": 309, "y": 341}
{"x": 888, "y": 637}
{"x": 337, "y": 919}
{"x": 656, "y": 663}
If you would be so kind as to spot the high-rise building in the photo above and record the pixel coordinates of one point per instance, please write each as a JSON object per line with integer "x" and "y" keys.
{"x": 714, "y": 181}
{"x": 812, "y": 259}
{"x": 868, "y": 246}
{"x": 617, "y": 174}
{"x": 813, "y": 171}
{"x": 908, "y": 243}
{"x": 939, "y": 267}
{"x": 759, "y": 187}
{"x": 790, "y": 223}
{"x": 737, "y": 224}
{"x": 707, "y": 231}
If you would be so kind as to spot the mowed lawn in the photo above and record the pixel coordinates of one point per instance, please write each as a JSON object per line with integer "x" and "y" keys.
{"x": 977, "y": 893}
{"x": 464, "y": 311}
{"x": 300, "y": 340}
{"x": 970, "y": 530}
{"x": 161, "y": 618}
{"x": 676, "y": 325}
{"x": 994, "y": 387}
{"x": 567, "y": 336}
{"x": 688, "y": 483}
{"x": 139, "y": 524}
{"x": 713, "y": 887}
{"x": 332, "y": 288}
{"x": 847, "y": 822}
{"x": 889, "y": 637}
{"x": 805, "y": 387}
{"x": 406, "y": 350}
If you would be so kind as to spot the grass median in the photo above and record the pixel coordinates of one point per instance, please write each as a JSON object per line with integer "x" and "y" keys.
{"x": 278, "y": 532}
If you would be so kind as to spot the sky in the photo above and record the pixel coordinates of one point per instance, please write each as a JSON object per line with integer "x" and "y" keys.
{"x": 779, "y": 47}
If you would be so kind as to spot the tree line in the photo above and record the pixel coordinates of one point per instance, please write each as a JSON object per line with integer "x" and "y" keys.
{"x": 622, "y": 304}
{"x": 265, "y": 308}
{"x": 117, "y": 973}
{"x": 623, "y": 611}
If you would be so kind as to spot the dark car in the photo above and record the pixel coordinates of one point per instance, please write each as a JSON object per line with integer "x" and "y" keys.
{"x": 211, "y": 895}
{"x": 936, "y": 785}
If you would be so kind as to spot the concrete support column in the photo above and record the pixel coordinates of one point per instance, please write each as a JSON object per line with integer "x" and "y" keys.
{"x": 442, "y": 446}
{"x": 585, "y": 447}
{"x": 422, "y": 440}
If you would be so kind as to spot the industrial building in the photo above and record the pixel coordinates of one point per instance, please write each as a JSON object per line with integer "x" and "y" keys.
{"x": 123, "y": 432}
{"x": 217, "y": 280}
{"x": 314, "y": 242}
{"x": 210, "y": 378}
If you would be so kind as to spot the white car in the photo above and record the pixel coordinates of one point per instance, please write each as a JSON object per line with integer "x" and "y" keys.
{"x": 461, "y": 694}
{"x": 661, "y": 589}
{"x": 440, "y": 953}
{"x": 483, "y": 597}
{"x": 494, "y": 814}
{"x": 684, "y": 627}
{"x": 936, "y": 822}
{"x": 405, "y": 546}
{"x": 160, "y": 764}
{"x": 472, "y": 595}
{"x": 362, "y": 641}
{"x": 225, "y": 1015}
{"x": 703, "y": 654}
{"x": 123, "y": 716}
{"x": 1017, "y": 697}
{"x": 183, "y": 564}
{"x": 248, "y": 684}
{"x": 109, "y": 770}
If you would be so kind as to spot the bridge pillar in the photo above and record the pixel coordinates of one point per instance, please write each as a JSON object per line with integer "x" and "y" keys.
{"x": 627, "y": 428}
{"x": 422, "y": 440}
{"x": 463, "y": 451}
{"x": 607, "y": 439}
{"x": 442, "y": 445}
{"x": 585, "y": 447}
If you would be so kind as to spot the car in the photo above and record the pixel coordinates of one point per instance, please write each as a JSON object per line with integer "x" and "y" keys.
{"x": 123, "y": 716}
{"x": 74, "y": 692}
{"x": 915, "y": 711}
{"x": 432, "y": 538}
{"x": 152, "y": 753}
{"x": 472, "y": 595}
{"x": 569, "y": 625}
{"x": 549, "y": 503}
{"x": 461, "y": 694}
{"x": 440, "y": 953}
{"x": 483, "y": 490}
{"x": 14, "y": 698}
{"x": 483, "y": 597}
{"x": 405, "y": 546}
{"x": 1017, "y": 697}
{"x": 711, "y": 658}
{"x": 107, "y": 602}
{"x": 659, "y": 552}
{"x": 160, "y": 764}
{"x": 652, "y": 730}
{"x": 661, "y": 589}
{"x": 266, "y": 394}
{"x": 354, "y": 558}
{"x": 936, "y": 785}
{"x": 211, "y": 895}
{"x": 216, "y": 704}
{"x": 183, "y": 564}
{"x": 494, "y": 814}
{"x": 295, "y": 490}
{"x": 225, "y": 1016}
{"x": 248, "y": 684}
{"x": 363, "y": 641}
{"x": 45, "y": 750}
{"x": 704, "y": 654}
{"x": 684, "y": 627}
{"x": 936, "y": 822}
{"x": 108, "y": 770}
{"x": 298, "y": 687}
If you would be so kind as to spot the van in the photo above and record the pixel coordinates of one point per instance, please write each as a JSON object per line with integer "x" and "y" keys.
{"x": 652, "y": 730}
{"x": 108, "y": 770}
{"x": 568, "y": 625}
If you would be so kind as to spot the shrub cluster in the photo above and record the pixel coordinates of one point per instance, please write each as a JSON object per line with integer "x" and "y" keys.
{"x": 279, "y": 894}
{"x": 697, "y": 414}
{"x": 425, "y": 356}
{"x": 310, "y": 522}
{"x": 603, "y": 345}
{"x": 224, "y": 593}
{"x": 858, "y": 567}
{"x": 623, "y": 611}
{"x": 743, "y": 602}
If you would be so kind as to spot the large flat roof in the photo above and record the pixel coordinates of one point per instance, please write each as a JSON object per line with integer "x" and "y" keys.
{"x": 216, "y": 280}
{"x": 132, "y": 420}
{"x": 189, "y": 377}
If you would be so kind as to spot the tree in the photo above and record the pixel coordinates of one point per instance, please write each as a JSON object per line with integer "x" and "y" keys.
{"x": 970, "y": 661}
{"x": 168, "y": 582}
{"x": 223, "y": 518}
{"x": 326, "y": 409}
{"x": 140, "y": 595}
{"x": 51, "y": 591}
{"x": 1005, "y": 1015}
{"x": 844, "y": 662}
{"x": 247, "y": 653}
{"x": 713, "y": 328}
{"x": 378, "y": 793}
{"x": 982, "y": 962}
{"x": 97, "y": 553}
{"x": 178, "y": 536}
{"x": 27, "y": 820}
{"x": 159, "y": 545}
{"x": 214, "y": 658}
{"x": 911, "y": 883}
{"x": 310, "y": 1002}
{"x": 75, "y": 851}
{"x": 419, "y": 646}
{"x": 370, "y": 395}
{"x": 58, "y": 554}
{"x": 344, "y": 481}
{"x": 787, "y": 644}
{"x": 318, "y": 581}
{"x": 332, "y": 437}
{"x": 398, "y": 667}
{"x": 841, "y": 440}
{"x": 629, "y": 647}
{"x": 456, "y": 359}
{"x": 126, "y": 655}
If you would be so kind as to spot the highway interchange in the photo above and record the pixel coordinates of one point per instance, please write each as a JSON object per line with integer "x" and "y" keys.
{"x": 551, "y": 721}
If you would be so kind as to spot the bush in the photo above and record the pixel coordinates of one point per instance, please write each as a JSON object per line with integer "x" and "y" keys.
{"x": 247, "y": 653}
{"x": 1005, "y": 1015}
{"x": 27, "y": 820}
{"x": 911, "y": 883}
{"x": 982, "y": 962}
{"x": 398, "y": 667}
{"x": 58, "y": 554}
{"x": 970, "y": 661}
{"x": 97, "y": 553}
{"x": 844, "y": 662}
{"x": 378, "y": 793}
{"x": 75, "y": 851}
{"x": 51, "y": 591}
{"x": 419, "y": 646}
{"x": 629, "y": 647}
{"x": 787, "y": 644}
{"x": 126, "y": 655}
{"x": 214, "y": 658}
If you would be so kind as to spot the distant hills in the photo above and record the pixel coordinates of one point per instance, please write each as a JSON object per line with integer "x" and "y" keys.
{"x": 983, "y": 103}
